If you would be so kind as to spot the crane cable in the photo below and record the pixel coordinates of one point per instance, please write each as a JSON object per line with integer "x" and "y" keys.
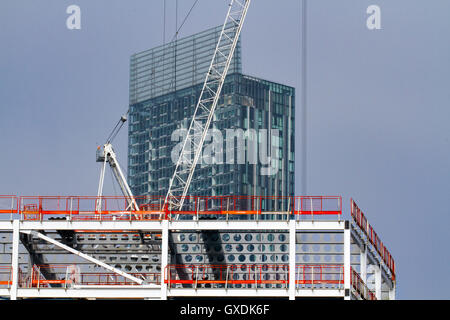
{"x": 117, "y": 128}
{"x": 173, "y": 82}
{"x": 185, "y": 18}
{"x": 177, "y": 29}
{"x": 123, "y": 119}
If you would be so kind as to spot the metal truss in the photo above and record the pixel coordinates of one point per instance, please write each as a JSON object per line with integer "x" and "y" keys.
{"x": 83, "y": 255}
{"x": 204, "y": 111}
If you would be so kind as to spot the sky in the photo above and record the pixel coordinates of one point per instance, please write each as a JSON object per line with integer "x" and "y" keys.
{"x": 378, "y": 104}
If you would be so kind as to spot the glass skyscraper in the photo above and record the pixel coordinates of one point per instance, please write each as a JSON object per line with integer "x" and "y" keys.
{"x": 165, "y": 83}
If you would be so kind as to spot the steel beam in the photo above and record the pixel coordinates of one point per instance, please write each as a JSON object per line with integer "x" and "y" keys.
{"x": 347, "y": 262}
{"x": 15, "y": 260}
{"x": 292, "y": 257}
{"x": 174, "y": 225}
{"x": 84, "y": 256}
{"x": 164, "y": 258}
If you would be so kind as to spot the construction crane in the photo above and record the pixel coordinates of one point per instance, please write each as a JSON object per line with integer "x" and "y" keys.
{"x": 105, "y": 155}
{"x": 204, "y": 111}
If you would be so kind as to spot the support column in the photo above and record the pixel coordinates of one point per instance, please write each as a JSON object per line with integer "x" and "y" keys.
{"x": 292, "y": 260}
{"x": 347, "y": 260}
{"x": 15, "y": 260}
{"x": 363, "y": 264}
{"x": 392, "y": 292}
{"x": 164, "y": 257}
{"x": 378, "y": 281}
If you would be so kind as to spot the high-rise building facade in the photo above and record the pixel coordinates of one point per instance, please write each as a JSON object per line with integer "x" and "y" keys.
{"x": 250, "y": 150}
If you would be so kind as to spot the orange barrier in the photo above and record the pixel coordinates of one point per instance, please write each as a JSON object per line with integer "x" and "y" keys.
{"x": 373, "y": 238}
{"x": 152, "y": 207}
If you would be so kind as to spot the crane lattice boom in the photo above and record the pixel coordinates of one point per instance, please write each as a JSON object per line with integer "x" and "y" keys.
{"x": 204, "y": 111}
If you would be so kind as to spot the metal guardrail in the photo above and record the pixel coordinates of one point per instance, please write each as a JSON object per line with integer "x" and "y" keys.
{"x": 6, "y": 275}
{"x": 41, "y": 208}
{"x": 191, "y": 276}
{"x": 363, "y": 224}
{"x": 360, "y": 287}
{"x": 9, "y": 206}
{"x": 257, "y": 274}
{"x": 69, "y": 275}
{"x": 319, "y": 274}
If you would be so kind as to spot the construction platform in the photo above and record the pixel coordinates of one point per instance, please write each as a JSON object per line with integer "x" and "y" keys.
{"x": 230, "y": 246}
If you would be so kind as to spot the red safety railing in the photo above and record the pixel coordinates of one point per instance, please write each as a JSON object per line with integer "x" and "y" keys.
{"x": 5, "y": 276}
{"x": 317, "y": 205}
{"x": 116, "y": 279}
{"x": 308, "y": 274}
{"x": 190, "y": 275}
{"x": 67, "y": 275}
{"x": 194, "y": 275}
{"x": 152, "y": 207}
{"x": 319, "y": 274}
{"x": 8, "y": 204}
{"x": 363, "y": 224}
{"x": 360, "y": 287}
{"x": 85, "y": 208}
{"x": 37, "y": 279}
{"x": 259, "y": 205}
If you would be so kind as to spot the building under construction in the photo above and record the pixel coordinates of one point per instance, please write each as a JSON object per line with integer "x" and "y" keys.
{"x": 62, "y": 247}
{"x": 221, "y": 230}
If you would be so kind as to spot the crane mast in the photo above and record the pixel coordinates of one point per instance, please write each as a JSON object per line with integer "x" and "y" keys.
{"x": 204, "y": 111}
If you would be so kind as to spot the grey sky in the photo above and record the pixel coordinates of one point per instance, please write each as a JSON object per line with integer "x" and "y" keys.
{"x": 378, "y": 104}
